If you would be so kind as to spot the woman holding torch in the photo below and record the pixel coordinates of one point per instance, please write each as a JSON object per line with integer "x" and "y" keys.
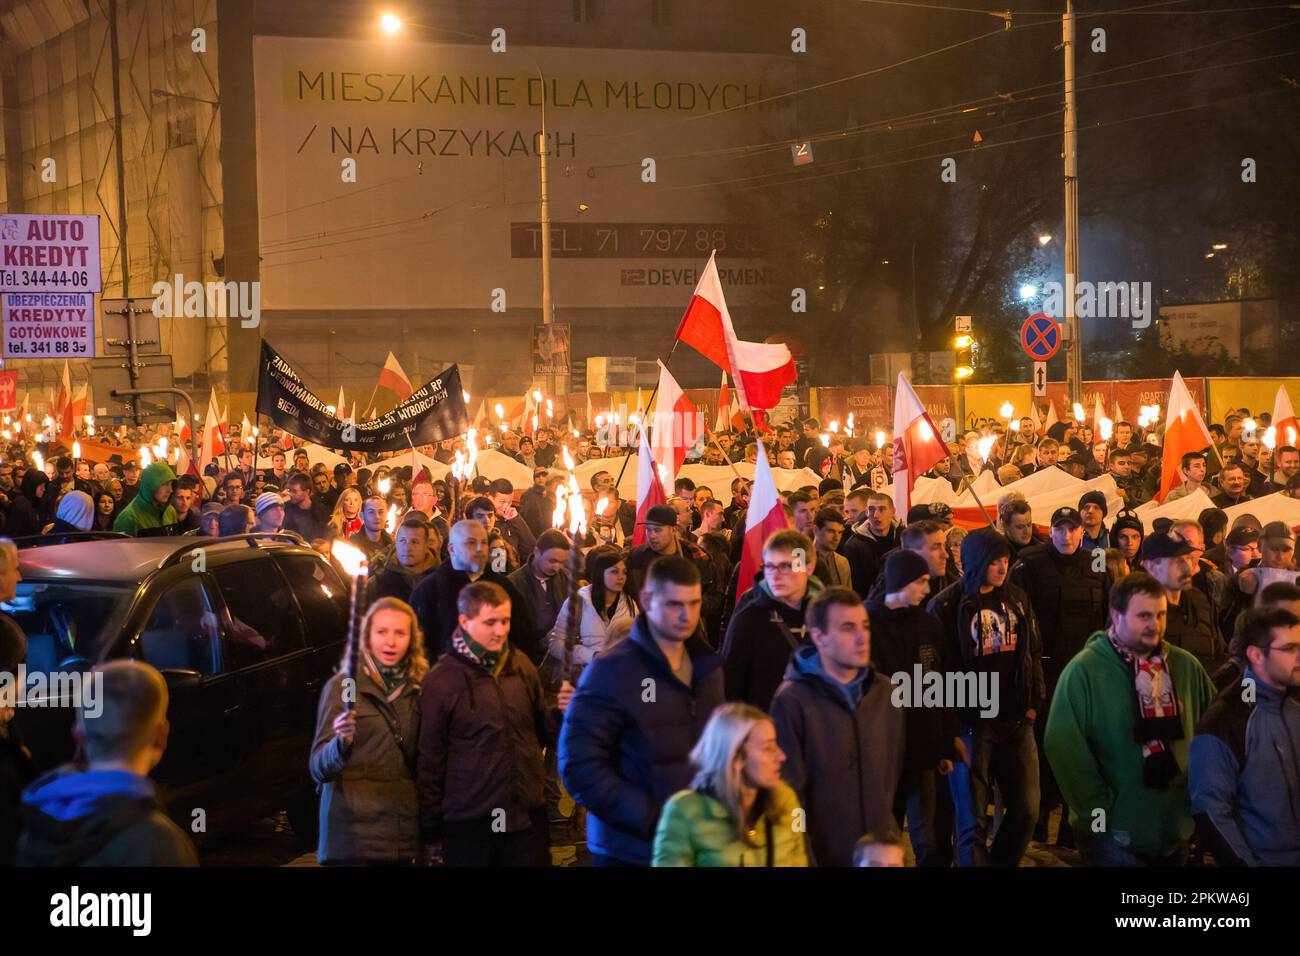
{"x": 367, "y": 732}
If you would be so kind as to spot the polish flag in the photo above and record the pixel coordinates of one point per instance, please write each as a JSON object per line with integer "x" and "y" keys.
{"x": 765, "y": 516}
{"x": 1185, "y": 432}
{"x": 917, "y": 445}
{"x": 1284, "y": 420}
{"x": 724, "y": 406}
{"x": 63, "y": 404}
{"x": 246, "y": 430}
{"x": 1051, "y": 416}
{"x": 185, "y": 464}
{"x": 211, "y": 445}
{"x": 1098, "y": 413}
{"x": 1119, "y": 413}
{"x": 649, "y": 487}
{"x": 394, "y": 379}
{"x": 676, "y": 429}
{"x": 79, "y": 403}
{"x": 759, "y": 371}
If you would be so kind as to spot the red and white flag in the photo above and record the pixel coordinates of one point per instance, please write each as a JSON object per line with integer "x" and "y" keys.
{"x": 210, "y": 445}
{"x": 341, "y": 409}
{"x": 184, "y": 463}
{"x": 79, "y": 401}
{"x": 676, "y": 429}
{"x": 1284, "y": 420}
{"x": 1185, "y": 432}
{"x": 63, "y": 404}
{"x": 1098, "y": 413}
{"x": 917, "y": 445}
{"x": 394, "y": 379}
{"x": 649, "y": 488}
{"x": 758, "y": 370}
{"x": 766, "y": 515}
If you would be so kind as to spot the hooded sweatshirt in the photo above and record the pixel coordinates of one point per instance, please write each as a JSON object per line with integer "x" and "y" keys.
{"x": 994, "y": 632}
{"x": 25, "y": 510}
{"x": 76, "y": 512}
{"x": 394, "y": 579}
{"x": 844, "y": 752}
{"x": 144, "y": 514}
{"x": 98, "y": 818}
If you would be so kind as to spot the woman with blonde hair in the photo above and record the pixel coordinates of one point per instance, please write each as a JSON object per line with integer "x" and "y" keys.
{"x": 346, "y": 520}
{"x": 364, "y": 758}
{"x": 737, "y": 811}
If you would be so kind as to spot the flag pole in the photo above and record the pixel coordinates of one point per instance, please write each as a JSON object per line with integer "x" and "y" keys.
{"x": 619, "y": 480}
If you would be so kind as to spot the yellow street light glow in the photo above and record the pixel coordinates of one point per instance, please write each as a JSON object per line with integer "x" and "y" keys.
{"x": 963, "y": 341}
{"x": 1007, "y": 411}
{"x": 1044, "y": 238}
{"x": 964, "y": 371}
{"x": 390, "y": 24}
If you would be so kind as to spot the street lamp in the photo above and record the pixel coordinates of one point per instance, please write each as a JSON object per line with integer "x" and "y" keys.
{"x": 389, "y": 23}
{"x": 1044, "y": 238}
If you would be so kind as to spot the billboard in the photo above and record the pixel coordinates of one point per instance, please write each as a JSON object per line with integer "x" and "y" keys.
{"x": 395, "y": 175}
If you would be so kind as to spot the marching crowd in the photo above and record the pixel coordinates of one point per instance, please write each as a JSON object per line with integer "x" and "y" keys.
{"x": 881, "y": 674}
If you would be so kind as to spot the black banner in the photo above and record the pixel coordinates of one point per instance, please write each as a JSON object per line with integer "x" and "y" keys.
{"x": 434, "y": 412}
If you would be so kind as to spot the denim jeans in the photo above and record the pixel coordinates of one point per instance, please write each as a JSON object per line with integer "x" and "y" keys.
{"x": 921, "y": 805}
{"x": 1004, "y": 756}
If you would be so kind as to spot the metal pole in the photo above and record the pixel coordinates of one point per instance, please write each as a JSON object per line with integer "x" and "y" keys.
{"x": 180, "y": 393}
{"x": 1073, "y": 337}
{"x": 548, "y": 306}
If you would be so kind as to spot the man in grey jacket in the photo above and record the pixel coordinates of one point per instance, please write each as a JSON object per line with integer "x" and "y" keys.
{"x": 845, "y": 772}
{"x": 1244, "y": 777}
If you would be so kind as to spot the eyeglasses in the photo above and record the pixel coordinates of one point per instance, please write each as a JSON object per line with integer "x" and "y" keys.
{"x": 1285, "y": 648}
{"x": 785, "y": 567}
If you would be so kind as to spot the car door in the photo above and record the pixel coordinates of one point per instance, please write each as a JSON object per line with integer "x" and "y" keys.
{"x": 266, "y": 648}
{"x": 181, "y": 637}
{"x": 324, "y": 601}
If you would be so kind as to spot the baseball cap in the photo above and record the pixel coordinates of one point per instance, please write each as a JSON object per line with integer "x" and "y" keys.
{"x": 1157, "y": 546}
{"x": 1067, "y": 515}
{"x": 267, "y": 499}
{"x": 935, "y": 511}
{"x": 662, "y": 515}
{"x": 1277, "y": 529}
{"x": 212, "y": 508}
{"x": 1240, "y": 537}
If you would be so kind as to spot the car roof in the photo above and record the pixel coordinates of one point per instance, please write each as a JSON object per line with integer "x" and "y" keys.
{"x": 119, "y": 559}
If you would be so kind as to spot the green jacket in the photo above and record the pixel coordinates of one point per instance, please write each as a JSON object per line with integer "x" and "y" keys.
{"x": 143, "y": 512}
{"x": 1089, "y": 743}
{"x": 695, "y": 830}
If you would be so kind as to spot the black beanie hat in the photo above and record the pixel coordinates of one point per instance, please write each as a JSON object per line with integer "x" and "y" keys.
{"x": 1097, "y": 498}
{"x": 902, "y": 567}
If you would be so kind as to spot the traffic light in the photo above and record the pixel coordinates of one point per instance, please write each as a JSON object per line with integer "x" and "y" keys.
{"x": 964, "y": 365}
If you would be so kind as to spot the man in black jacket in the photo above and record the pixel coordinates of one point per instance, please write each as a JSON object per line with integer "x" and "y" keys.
{"x": 483, "y": 730}
{"x": 907, "y": 646}
{"x": 1191, "y": 623}
{"x": 1070, "y": 600}
{"x": 510, "y": 523}
{"x": 993, "y": 637}
{"x": 302, "y": 514}
{"x": 108, "y": 814}
{"x": 409, "y": 563}
{"x": 434, "y": 598}
{"x": 543, "y": 583}
{"x": 841, "y": 734}
{"x": 768, "y": 624}
{"x": 627, "y": 737}
{"x": 870, "y": 540}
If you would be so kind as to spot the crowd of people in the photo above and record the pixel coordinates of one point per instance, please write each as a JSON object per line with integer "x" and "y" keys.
{"x": 881, "y": 684}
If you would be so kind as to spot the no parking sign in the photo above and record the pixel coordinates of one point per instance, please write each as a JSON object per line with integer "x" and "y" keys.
{"x": 1040, "y": 337}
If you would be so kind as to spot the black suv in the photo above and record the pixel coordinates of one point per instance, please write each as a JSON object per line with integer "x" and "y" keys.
{"x": 246, "y": 630}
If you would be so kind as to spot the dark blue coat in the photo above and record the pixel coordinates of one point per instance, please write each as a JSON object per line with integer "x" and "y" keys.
{"x": 625, "y": 746}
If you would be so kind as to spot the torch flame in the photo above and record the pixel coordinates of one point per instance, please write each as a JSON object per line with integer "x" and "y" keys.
{"x": 826, "y": 440}
{"x": 1106, "y": 426}
{"x": 384, "y": 485}
{"x": 350, "y": 558}
{"x": 880, "y": 440}
{"x": 391, "y": 524}
{"x": 601, "y": 505}
{"x": 985, "y": 445}
{"x": 834, "y": 427}
{"x": 569, "y": 464}
{"x": 1078, "y": 412}
{"x": 1290, "y": 435}
{"x": 1006, "y": 411}
{"x": 38, "y": 460}
{"x": 76, "y": 447}
{"x": 849, "y": 426}
{"x": 501, "y": 412}
{"x": 1270, "y": 438}
{"x": 537, "y": 394}
{"x": 145, "y": 458}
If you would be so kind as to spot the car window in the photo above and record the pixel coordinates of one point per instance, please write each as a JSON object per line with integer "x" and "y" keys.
{"x": 67, "y": 620}
{"x": 264, "y": 620}
{"x": 321, "y": 595}
{"x": 182, "y": 632}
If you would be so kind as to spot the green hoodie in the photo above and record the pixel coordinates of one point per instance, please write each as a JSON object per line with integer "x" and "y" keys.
{"x": 1089, "y": 742}
{"x": 143, "y": 512}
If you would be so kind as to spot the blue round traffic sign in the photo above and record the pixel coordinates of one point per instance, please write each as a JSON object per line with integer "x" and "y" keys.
{"x": 1040, "y": 336}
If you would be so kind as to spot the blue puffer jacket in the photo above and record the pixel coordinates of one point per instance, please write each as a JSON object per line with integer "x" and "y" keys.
{"x": 626, "y": 743}
{"x": 1244, "y": 778}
